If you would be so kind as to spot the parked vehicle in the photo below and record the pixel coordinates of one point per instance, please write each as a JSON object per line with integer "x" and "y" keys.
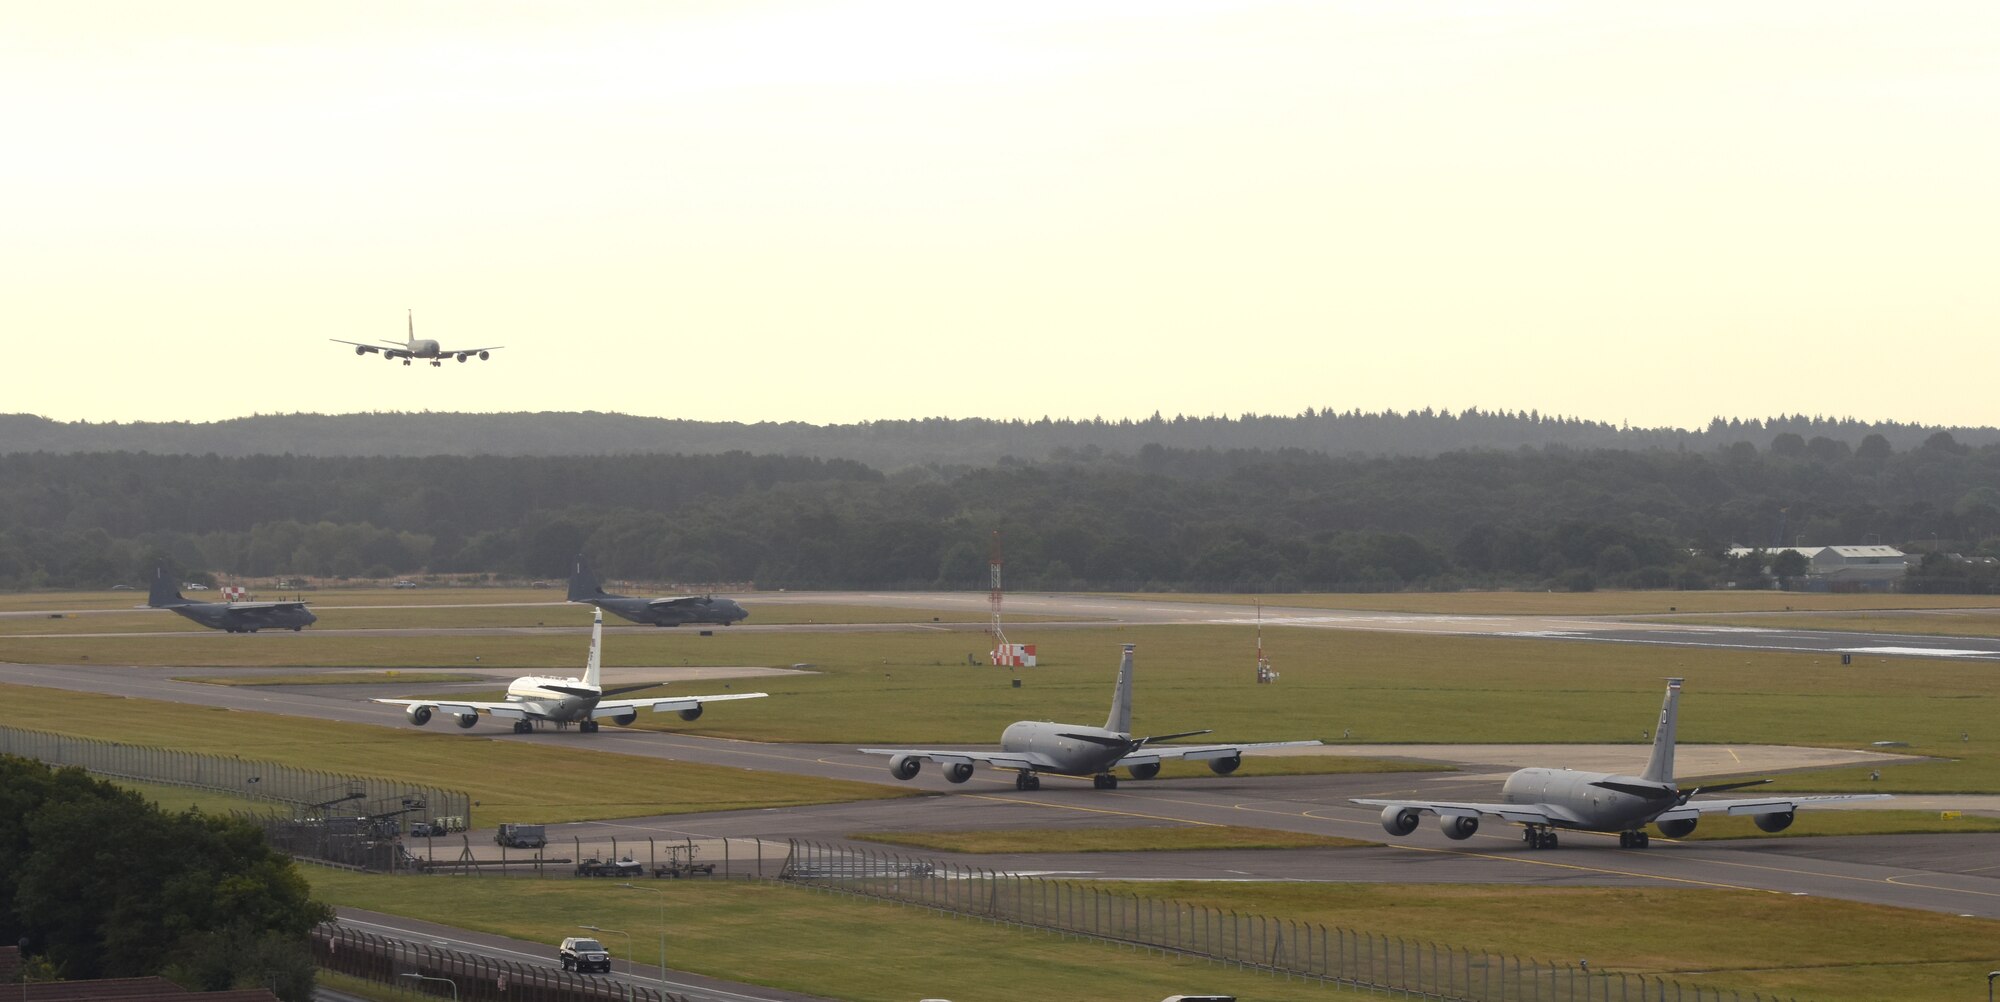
{"x": 515, "y": 836}
{"x": 581, "y": 954}
{"x": 594, "y": 867}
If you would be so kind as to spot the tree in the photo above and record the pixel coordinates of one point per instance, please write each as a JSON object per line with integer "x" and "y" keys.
{"x": 1787, "y": 565}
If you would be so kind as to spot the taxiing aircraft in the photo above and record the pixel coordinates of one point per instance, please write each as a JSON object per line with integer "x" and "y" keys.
{"x": 413, "y": 348}
{"x": 563, "y": 701}
{"x": 233, "y": 617}
{"x": 1034, "y": 746}
{"x": 1545, "y": 800}
{"x": 583, "y": 587}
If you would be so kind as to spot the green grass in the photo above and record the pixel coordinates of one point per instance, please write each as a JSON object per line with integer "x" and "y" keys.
{"x": 181, "y": 798}
{"x": 375, "y": 991}
{"x": 1595, "y": 603}
{"x": 1811, "y": 823}
{"x": 341, "y": 678}
{"x": 1809, "y": 948}
{"x": 1126, "y": 839}
{"x": 511, "y": 781}
{"x": 790, "y": 938}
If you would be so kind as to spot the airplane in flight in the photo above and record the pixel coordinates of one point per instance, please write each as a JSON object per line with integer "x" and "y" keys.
{"x": 1033, "y": 747}
{"x": 583, "y": 587}
{"x": 413, "y": 348}
{"x": 1545, "y": 800}
{"x": 232, "y": 617}
{"x": 536, "y": 699}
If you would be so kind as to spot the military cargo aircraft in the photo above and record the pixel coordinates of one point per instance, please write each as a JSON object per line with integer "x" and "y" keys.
{"x": 1545, "y": 800}
{"x": 1032, "y": 747}
{"x": 583, "y": 587}
{"x": 413, "y": 348}
{"x": 536, "y": 699}
{"x": 232, "y": 617}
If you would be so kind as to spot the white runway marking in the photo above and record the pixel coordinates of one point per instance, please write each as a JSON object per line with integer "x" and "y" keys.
{"x": 1930, "y": 652}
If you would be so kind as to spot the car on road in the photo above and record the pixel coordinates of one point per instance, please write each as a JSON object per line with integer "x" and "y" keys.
{"x": 584, "y": 955}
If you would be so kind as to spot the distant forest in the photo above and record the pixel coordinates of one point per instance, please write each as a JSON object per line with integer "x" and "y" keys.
{"x": 893, "y": 445}
{"x": 1158, "y": 518}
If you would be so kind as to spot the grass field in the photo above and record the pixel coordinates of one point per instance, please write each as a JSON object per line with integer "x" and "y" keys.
{"x": 840, "y": 947}
{"x": 337, "y": 678}
{"x": 1130, "y": 839}
{"x": 511, "y": 781}
{"x": 1594, "y": 603}
{"x": 1943, "y": 622}
{"x": 181, "y": 798}
{"x": 791, "y": 938}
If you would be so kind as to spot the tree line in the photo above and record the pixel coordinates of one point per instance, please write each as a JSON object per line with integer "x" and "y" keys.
{"x": 1160, "y": 518}
{"x": 98, "y": 882}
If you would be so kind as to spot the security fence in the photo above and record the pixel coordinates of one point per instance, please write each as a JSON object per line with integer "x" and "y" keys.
{"x": 384, "y": 804}
{"x": 465, "y": 977}
{"x": 1369, "y": 961}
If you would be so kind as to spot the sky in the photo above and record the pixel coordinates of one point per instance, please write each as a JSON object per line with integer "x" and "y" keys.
{"x": 843, "y": 211}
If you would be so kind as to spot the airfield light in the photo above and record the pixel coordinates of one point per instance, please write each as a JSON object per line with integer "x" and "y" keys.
{"x": 426, "y": 977}
{"x": 663, "y": 926}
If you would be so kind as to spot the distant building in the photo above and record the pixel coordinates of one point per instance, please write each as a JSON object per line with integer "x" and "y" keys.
{"x": 1844, "y": 568}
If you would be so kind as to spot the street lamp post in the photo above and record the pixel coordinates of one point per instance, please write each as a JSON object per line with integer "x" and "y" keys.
{"x": 426, "y": 977}
{"x": 663, "y": 926}
{"x": 1990, "y": 975}
{"x": 628, "y": 951}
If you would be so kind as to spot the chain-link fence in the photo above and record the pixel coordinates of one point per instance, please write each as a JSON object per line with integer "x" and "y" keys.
{"x": 465, "y": 977}
{"x": 1370, "y": 961}
{"x": 385, "y": 803}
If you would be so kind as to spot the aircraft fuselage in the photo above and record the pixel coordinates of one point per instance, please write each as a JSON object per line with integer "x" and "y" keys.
{"x": 1075, "y": 756}
{"x": 1599, "y": 809}
{"x": 223, "y": 616}
{"x": 716, "y": 611}
{"x": 563, "y": 700}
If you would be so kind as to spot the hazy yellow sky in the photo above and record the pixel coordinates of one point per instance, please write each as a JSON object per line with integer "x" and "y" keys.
{"x": 850, "y": 210}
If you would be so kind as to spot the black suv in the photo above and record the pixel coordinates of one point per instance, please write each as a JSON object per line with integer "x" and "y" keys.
{"x": 585, "y": 955}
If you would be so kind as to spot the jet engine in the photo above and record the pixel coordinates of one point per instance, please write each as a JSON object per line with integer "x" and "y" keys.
{"x": 462, "y": 358}
{"x": 905, "y": 766}
{"x": 1681, "y": 828}
{"x": 1225, "y": 766}
{"x": 1774, "y": 822}
{"x": 419, "y": 715}
{"x": 361, "y": 351}
{"x": 467, "y": 719}
{"x": 959, "y": 773}
{"x": 692, "y": 712}
{"x": 484, "y": 356}
{"x": 1147, "y": 771}
{"x": 625, "y": 719}
{"x": 1457, "y": 828}
{"x": 1400, "y": 821}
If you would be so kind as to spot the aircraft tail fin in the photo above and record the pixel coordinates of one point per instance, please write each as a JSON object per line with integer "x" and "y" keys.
{"x": 164, "y": 594}
{"x": 1660, "y": 768}
{"x": 583, "y": 585}
{"x": 593, "y": 669}
{"x": 1120, "y": 721}
{"x": 412, "y": 318}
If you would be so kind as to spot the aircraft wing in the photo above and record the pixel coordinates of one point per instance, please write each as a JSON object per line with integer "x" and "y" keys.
{"x": 1527, "y": 814}
{"x": 368, "y": 348}
{"x": 468, "y": 351}
{"x": 960, "y": 756}
{"x": 664, "y": 704}
{"x": 1151, "y": 754}
{"x": 1762, "y": 805}
{"x": 253, "y": 606}
{"x": 682, "y": 600}
{"x": 460, "y": 707}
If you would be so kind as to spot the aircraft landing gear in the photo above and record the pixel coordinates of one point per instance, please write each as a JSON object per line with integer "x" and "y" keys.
{"x": 437, "y": 363}
{"x": 1027, "y": 780}
{"x": 1540, "y": 837}
{"x": 1634, "y": 840}
{"x": 523, "y": 727}
{"x": 406, "y": 361}
{"x": 1104, "y": 781}
{"x": 587, "y": 727}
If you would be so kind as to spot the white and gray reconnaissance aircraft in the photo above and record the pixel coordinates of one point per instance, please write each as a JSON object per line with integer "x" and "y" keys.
{"x": 413, "y": 348}
{"x": 1033, "y": 746}
{"x": 564, "y": 701}
{"x": 1547, "y": 799}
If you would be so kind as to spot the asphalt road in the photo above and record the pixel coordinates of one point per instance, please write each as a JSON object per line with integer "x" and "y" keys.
{"x": 1925, "y": 872}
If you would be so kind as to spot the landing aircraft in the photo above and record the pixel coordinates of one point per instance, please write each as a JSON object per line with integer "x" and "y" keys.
{"x": 1547, "y": 799}
{"x": 583, "y": 587}
{"x": 1033, "y": 747}
{"x": 537, "y": 699}
{"x": 233, "y": 617}
{"x": 413, "y": 348}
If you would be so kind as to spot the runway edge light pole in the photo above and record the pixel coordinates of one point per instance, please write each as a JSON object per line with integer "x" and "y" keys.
{"x": 663, "y": 927}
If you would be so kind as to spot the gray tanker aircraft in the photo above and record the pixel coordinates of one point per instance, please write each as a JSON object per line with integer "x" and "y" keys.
{"x": 413, "y": 348}
{"x": 1035, "y": 746}
{"x": 536, "y": 699}
{"x": 583, "y": 587}
{"x": 1547, "y": 799}
{"x": 233, "y": 617}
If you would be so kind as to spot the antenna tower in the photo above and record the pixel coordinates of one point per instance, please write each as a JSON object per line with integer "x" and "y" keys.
{"x": 993, "y": 563}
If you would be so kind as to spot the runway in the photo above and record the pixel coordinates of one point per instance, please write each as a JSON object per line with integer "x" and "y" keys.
{"x": 1097, "y": 612}
{"x": 1918, "y": 871}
